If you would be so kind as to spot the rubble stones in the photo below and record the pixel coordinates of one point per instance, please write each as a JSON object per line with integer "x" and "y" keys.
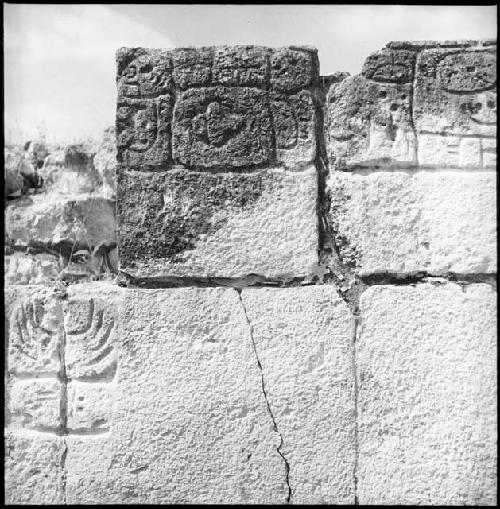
{"x": 82, "y": 219}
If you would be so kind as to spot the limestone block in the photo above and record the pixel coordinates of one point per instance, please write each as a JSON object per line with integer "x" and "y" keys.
{"x": 221, "y": 126}
{"x": 395, "y": 222}
{"x": 89, "y": 407}
{"x": 304, "y": 341}
{"x": 34, "y": 472}
{"x": 295, "y": 128}
{"x": 427, "y": 403}
{"x": 189, "y": 422}
{"x": 144, "y": 107}
{"x": 90, "y": 327}
{"x": 35, "y": 404}
{"x": 50, "y": 219}
{"x": 368, "y": 120}
{"x": 192, "y": 67}
{"x": 293, "y": 69}
{"x": 243, "y": 66}
{"x": 212, "y": 107}
{"x": 455, "y": 95}
{"x": 181, "y": 223}
{"x": 489, "y": 152}
{"x": 35, "y": 334}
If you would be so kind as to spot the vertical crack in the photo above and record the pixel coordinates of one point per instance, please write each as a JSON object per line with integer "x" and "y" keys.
{"x": 264, "y": 392}
{"x": 411, "y": 107}
{"x": 63, "y": 407}
{"x": 356, "y": 425}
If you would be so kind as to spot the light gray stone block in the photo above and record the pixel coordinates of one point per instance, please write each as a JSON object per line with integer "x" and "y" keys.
{"x": 303, "y": 339}
{"x": 402, "y": 223}
{"x": 427, "y": 404}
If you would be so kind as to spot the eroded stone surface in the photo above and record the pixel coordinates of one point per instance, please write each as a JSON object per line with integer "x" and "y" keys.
{"x": 189, "y": 421}
{"x": 210, "y": 107}
{"x": 90, "y": 327}
{"x": 35, "y": 333}
{"x": 34, "y": 468}
{"x": 455, "y": 99}
{"x": 31, "y": 269}
{"x": 222, "y": 127}
{"x": 42, "y": 219}
{"x": 402, "y": 223}
{"x": 416, "y": 104}
{"x": 180, "y": 223}
{"x": 369, "y": 120}
{"x": 426, "y": 362}
{"x": 35, "y": 404}
{"x": 303, "y": 339}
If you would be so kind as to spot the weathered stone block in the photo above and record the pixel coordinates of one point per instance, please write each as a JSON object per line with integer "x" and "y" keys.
{"x": 89, "y": 407}
{"x": 294, "y": 121}
{"x": 304, "y": 341}
{"x": 220, "y": 126}
{"x": 293, "y": 69}
{"x": 190, "y": 423}
{"x": 34, "y": 472}
{"x": 192, "y": 67}
{"x": 427, "y": 404}
{"x": 90, "y": 326}
{"x": 35, "y": 335}
{"x": 144, "y": 108}
{"x": 32, "y": 269}
{"x": 369, "y": 121}
{"x": 83, "y": 219}
{"x": 181, "y": 223}
{"x": 404, "y": 223}
{"x": 244, "y": 66}
{"x": 35, "y": 404}
{"x": 390, "y": 66}
{"x": 455, "y": 95}
{"x": 210, "y": 108}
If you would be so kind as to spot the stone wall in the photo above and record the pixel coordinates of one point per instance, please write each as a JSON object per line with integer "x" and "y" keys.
{"x": 296, "y": 304}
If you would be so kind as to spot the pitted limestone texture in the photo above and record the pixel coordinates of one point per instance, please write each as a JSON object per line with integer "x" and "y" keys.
{"x": 368, "y": 122}
{"x": 455, "y": 106}
{"x": 33, "y": 470}
{"x": 416, "y": 105}
{"x": 402, "y": 223}
{"x": 426, "y": 367}
{"x": 181, "y": 223}
{"x": 210, "y": 107}
{"x": 304, "y": 342}
{"x": 189, "y": 421}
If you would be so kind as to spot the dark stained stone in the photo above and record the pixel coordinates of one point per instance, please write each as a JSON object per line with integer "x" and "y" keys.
{"x": 222, "y": 127}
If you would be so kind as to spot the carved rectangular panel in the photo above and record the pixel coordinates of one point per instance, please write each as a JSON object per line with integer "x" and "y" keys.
{"x": 369, "y": 121}
{"x": 455, "y": 106}
{"x": 90, "y": 336}
{"x": 220, "y": 126}
{"x": 210, "y": 107}
{"x": 35, "y": 337}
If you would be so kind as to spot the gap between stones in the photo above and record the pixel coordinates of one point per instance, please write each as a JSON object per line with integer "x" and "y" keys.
{"x": 264, "y": 392}
{"x": 357, "y": 322}
{"x": 63, "y": 409}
